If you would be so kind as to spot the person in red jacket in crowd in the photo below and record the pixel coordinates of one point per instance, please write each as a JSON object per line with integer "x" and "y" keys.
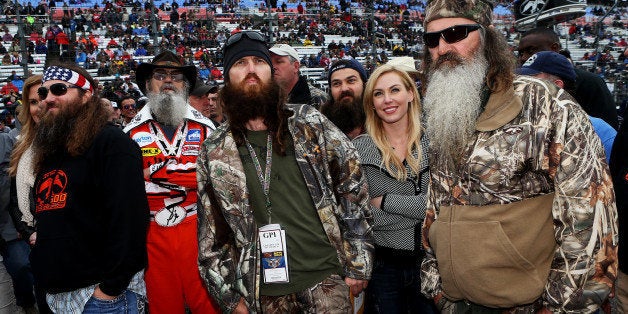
{"x": 9, "y": 88}
{"x": 216, "y": 74}
{"x": 62, "y": 40}
{"x": 169, "y": 134}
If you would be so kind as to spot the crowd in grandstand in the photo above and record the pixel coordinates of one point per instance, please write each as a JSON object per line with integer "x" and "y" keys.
{"x": 111, "y": 37}
{"x": 176, "y": 71}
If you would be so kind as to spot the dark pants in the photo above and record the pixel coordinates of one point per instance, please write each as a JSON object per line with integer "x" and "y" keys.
{"x": 18, "y": 266}
{"x": 395, "y": 287}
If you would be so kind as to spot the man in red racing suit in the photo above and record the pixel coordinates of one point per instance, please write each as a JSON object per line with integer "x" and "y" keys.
{"x": 169, "y": 133}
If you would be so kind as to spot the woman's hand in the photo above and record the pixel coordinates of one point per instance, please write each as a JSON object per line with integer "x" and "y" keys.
{"x": 377, "y": 201}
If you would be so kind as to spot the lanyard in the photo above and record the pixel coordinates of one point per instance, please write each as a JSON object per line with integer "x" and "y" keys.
{"x": 263, "y": 176}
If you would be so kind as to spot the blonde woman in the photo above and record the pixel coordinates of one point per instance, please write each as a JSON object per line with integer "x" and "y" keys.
{"x": 21, "y": 170}
{"x": 20, "y": 166}
{"x": 393, "y": 154}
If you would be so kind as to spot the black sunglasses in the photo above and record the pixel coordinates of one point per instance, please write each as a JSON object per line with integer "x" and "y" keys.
{"x": 451, "y": 35}
{"x": 57, "y": 89}
{"x": 249, "y": 34}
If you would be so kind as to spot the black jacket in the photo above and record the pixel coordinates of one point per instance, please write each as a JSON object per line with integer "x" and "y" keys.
{"x": 594, "y": 97}
{"x": 619, "y": 172}
{"x": 92, "y": 217}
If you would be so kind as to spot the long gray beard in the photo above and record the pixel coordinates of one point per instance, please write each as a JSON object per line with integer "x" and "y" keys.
{"x": 452, "y": 106}
{"x": 169, "y": 109}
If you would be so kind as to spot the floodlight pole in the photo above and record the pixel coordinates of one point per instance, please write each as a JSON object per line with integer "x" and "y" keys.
{"x": 598, "y": 27}
{"x": 20, "y": 32}
{"x": 153, "y": 18}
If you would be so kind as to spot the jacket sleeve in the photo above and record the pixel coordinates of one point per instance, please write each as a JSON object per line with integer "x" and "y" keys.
{"x": 125, "y": 210}
{"x": 585, "y": 216}
{"x": 216, "y": 251}
{"x": 430, "y": 277}
{"x": 404, "y": 206}
{"x": 354, "y": 214}
{"x": 21, "y": 226}
{"x": 619, "y": 172}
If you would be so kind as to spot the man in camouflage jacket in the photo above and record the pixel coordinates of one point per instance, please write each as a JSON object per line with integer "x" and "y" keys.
{"x": 229, "y": 253}
{"x": 521, "y": 213}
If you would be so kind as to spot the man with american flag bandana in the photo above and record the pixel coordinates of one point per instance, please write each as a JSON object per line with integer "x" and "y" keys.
{"x": 90, "y": 206}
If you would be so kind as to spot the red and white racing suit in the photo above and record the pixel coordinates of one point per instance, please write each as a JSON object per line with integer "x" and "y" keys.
{"x": 172, "y": 276}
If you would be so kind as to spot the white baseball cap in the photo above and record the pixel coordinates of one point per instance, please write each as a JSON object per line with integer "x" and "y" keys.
{"x": 405, "y": 64}
{"x": 284, "y": 50}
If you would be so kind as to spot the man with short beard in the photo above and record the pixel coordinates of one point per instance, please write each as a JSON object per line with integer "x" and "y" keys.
{"x": 90, "y": 206}
{"x": 347, "y": 78}
{"x": 521, "y": 216}
{"x": 169, "y": 134}
{"x": 279, "y": 173}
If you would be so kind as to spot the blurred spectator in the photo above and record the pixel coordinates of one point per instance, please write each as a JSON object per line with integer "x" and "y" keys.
{"x": 203, "y": 72}
{"x": 7, "y": 37}
{"x": 9, "y": 88}
{"x": 216, "y": 73}
{"x": 14, "y": 76}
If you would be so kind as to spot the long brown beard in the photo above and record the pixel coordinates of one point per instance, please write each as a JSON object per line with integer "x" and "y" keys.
{"x": 347, "y": 115}
{"x": 70, "y": 131}
{"x": 243, "y": 103}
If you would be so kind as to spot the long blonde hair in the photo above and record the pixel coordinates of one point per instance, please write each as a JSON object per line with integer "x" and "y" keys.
{"x": 375, "y": 128}
{"x": 27, "y": 134}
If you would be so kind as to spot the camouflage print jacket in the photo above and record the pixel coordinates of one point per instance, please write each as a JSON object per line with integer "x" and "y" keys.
{"x": 535, "y": 141}
{"x": 228, "y": 250}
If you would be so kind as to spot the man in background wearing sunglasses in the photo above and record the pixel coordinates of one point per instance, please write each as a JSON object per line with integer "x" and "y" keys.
{"x": 90, "y": 206}
{"x": 129, "y": 109}
{"x": 281, "y": 179}
{"x": 521, "y": 214}
{"x": 169, "y": 134}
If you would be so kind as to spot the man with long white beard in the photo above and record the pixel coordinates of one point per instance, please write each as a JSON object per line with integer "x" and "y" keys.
{"x": 285, "y": 222}
{"x": 521, "y": 214}
{"x": 169, "y": 133}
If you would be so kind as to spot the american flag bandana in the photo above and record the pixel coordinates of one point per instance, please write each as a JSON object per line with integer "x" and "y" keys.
{"x": 63, "y": 74}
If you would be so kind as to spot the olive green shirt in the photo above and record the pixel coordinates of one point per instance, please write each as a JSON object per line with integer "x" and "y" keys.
{"x": 311, "y": 257}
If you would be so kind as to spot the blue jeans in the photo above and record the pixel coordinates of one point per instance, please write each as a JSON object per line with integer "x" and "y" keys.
{"x": 19, "y": 267}
{"x": 395, "y": 287}
{"x": 128, "y": 302}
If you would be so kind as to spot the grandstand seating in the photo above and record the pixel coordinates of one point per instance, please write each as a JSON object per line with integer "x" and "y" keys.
{"x": 313, "y": 74}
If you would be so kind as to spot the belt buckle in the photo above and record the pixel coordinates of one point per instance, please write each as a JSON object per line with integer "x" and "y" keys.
{"x": 170, "y": 217}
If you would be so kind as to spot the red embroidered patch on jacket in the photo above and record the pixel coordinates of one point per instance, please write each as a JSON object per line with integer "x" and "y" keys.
{"x": 51, "y": 191}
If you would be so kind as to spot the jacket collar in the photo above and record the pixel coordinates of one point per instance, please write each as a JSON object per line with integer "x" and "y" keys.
{"x": 145, "y": 115}
{"x": 500, "y": 109}
{"x": 300, "y": 93}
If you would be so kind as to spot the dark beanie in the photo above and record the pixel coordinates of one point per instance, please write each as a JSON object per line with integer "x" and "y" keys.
{"x": 243, "y": 48}
{"x": 347, "y": 63}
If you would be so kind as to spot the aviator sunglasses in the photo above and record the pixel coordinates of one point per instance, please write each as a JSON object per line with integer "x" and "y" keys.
{"x": 249, "y": 34}
{"x": 174, "y": 76}
{"x": 57, "y": 89}
{"x": 451, "y": 35}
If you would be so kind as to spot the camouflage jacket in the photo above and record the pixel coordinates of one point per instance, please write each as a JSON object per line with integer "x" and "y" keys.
{"x": 228, "y": 246}
{"x": 534, "y": 142}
